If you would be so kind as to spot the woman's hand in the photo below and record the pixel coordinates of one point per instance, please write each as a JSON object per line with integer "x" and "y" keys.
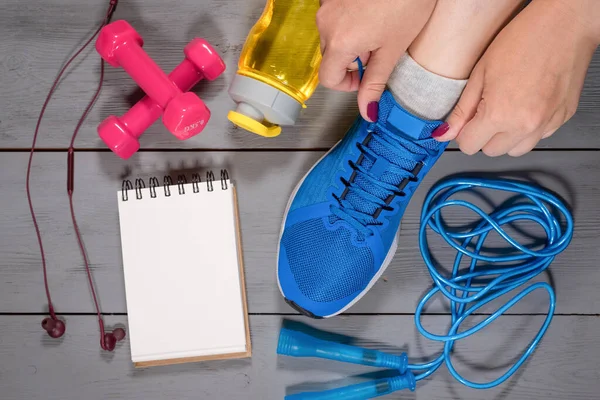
{"x": 377, "y": 31}
{"x": 529, "y": 81}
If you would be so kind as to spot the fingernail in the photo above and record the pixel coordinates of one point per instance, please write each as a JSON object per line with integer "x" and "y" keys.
{"x": 440, "y": 130}
{"x": 373, "y": 111}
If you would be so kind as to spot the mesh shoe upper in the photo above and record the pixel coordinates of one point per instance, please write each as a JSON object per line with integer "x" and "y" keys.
{"x": 353, "y": 265}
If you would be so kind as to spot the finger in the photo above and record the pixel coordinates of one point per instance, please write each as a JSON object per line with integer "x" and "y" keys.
{"x": 501, "y": 143}
{"x": 364, "y": 59}
{"x": 333, "y": 72}
{"x": 549, "y": 133}
{"x": 527, "y": 144}
{"x": 381, "y": 65}
{"x": 516, "y": 143}
{"x": 557, "y": 120}
{"x": 350, "y": 83}
{"x": 464, "y": 110}
{"x": 504, "y": 142}
{"x": 477, "y": 132}
{"x": 524, "y": 146}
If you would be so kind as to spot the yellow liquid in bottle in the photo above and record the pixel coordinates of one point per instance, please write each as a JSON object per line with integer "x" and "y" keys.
{"x": 283, "y": 50}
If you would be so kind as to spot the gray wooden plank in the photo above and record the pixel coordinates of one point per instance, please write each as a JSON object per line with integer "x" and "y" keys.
{"x": 265, "y": 180}
{"x": 38, "y": 38}
{"x": 37, "y": 367}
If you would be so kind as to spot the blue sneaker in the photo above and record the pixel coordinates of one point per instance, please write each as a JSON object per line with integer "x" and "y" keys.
{"x": 341, "y": 224}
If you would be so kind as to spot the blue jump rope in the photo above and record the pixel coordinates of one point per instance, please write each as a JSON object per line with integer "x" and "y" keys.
{"x": 477, "y": 286}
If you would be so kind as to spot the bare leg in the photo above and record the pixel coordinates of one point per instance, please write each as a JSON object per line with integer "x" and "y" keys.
{"x": 458, "y": 33}
{"x": 431, "y": 76}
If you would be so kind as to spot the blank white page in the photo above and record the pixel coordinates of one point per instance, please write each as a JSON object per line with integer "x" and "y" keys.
{"x": 182, "y": 274}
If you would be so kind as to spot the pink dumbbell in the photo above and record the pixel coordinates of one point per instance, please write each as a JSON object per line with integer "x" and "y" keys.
{"x": 121, "y": 133}
{"x": 185, "y": 115}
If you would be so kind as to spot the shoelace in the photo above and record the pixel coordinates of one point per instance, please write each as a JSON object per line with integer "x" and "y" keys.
{"x": 365, "y": 194}
{"x": 365, "y": 205}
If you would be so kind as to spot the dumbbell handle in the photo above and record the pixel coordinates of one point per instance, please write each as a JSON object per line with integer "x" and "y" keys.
{"x": 146, "y": 111}
{"x": 146, "y": 73}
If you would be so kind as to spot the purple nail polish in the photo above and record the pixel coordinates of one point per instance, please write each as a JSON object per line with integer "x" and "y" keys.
{"x": 373, "y": 111}
{"x": 440, "y": 130}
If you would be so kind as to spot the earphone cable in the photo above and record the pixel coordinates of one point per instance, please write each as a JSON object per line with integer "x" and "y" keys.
{"x": 70, "y": 169}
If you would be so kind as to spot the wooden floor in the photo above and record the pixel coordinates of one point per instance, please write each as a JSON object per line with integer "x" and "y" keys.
{"x": 36, "y": 39}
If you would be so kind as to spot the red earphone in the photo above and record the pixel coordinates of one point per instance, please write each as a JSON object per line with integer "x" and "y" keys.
{"x": 54, "y": 326}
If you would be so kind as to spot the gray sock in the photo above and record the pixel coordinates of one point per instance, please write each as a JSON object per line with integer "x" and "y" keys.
{"x": 423, "y": 93}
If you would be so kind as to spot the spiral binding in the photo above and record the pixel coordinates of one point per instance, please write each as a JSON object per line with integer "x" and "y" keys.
{"x": 153, "y": 184}
{"x": 210, "y": 177}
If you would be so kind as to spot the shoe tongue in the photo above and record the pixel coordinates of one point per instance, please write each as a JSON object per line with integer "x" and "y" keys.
{"x": 404, "y": 123}
{"x": 401, "y": 123}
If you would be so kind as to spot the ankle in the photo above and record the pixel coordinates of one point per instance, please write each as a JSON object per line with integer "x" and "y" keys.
{"x": 422, "y": 92}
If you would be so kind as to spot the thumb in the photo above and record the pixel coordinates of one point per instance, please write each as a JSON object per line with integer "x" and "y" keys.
{"x": 463, "y": 111}
{"x": 377, "y": 73}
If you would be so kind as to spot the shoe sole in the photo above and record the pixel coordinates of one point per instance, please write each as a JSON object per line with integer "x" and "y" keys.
{"x": 386, "y": 262}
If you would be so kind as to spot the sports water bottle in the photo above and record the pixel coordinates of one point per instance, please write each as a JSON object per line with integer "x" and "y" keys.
{"x": 278, "y": 67}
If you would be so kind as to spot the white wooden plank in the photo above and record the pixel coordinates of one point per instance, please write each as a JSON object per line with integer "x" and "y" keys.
{"x": 38, "y": 38}
{"x": 37, "y": 367}
{"x": 265, "y": 180}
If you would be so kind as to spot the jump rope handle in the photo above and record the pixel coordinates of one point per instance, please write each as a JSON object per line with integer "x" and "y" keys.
{"x": 361, "y": 391}
{"x": 299, "y": 344}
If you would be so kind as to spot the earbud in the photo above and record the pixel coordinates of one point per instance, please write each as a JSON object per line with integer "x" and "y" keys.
{"x": 111, "y": 339}
{"x": 108, "y": 340}
{"x": 54, "y": 327}
{"x": 119, "y": 334}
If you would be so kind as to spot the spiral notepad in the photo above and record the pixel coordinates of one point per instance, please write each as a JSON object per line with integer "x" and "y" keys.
{"x": 183, "y": 270}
